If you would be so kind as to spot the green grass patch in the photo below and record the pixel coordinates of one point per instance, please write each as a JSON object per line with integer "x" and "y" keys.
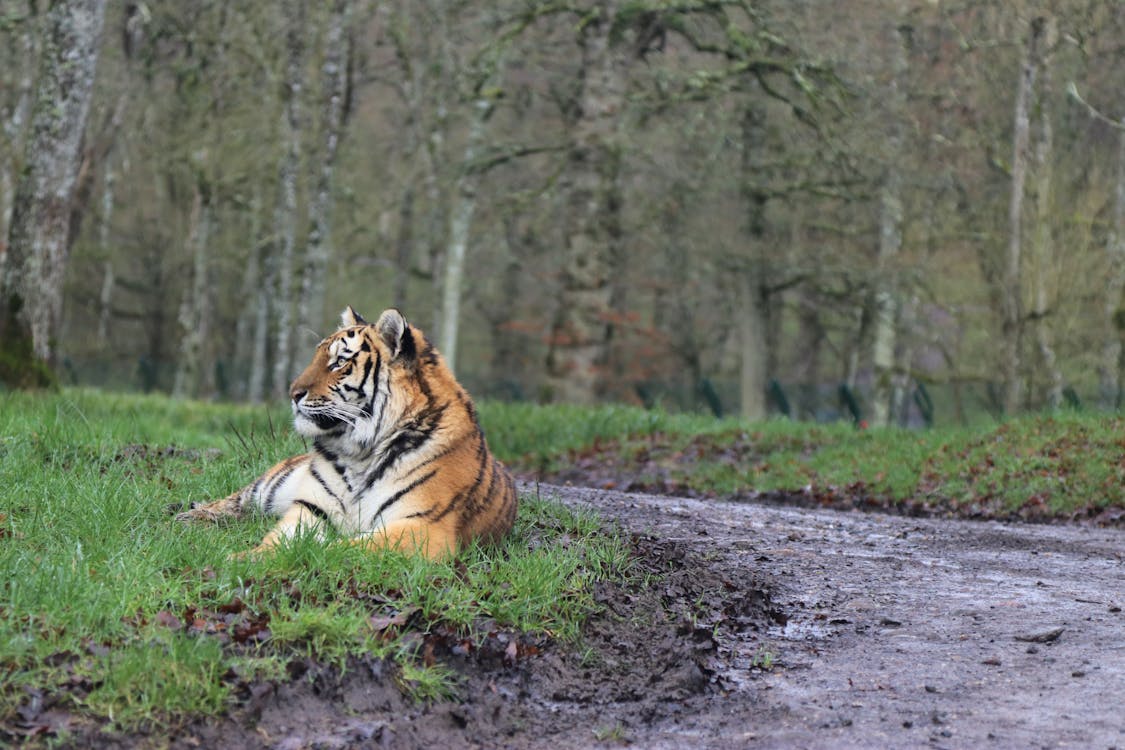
{"x": 543, "y": 434}
{"x": 111, "y": 609}
{"x": 1067, "y": 465}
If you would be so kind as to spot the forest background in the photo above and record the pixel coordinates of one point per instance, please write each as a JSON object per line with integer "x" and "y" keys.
{"x": 897, "y": 210}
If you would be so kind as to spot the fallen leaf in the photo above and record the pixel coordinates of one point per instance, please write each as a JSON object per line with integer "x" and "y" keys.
{"x": 255, "y": 631}
{"x": 233, "y": 607}
{"x": 428, "y": 657}
{"x": 168, "y": 620}
{"x": 379, "y": 623}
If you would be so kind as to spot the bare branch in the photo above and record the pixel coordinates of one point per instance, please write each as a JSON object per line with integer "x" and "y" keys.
{"x": 1094, "y": 112}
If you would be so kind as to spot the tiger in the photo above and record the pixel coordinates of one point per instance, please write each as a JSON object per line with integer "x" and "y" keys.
{"x": 398, "y": 460}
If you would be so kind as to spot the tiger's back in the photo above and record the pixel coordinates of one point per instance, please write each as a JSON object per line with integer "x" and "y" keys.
{"x": 398, "y": 458}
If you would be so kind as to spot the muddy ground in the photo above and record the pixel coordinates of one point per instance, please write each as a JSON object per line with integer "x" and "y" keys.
{"x": 768, "y": 627}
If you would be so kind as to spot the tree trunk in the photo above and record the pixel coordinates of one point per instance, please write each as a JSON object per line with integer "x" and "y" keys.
{"x": 1043, "y": 247}
{"x": 195, "y": 312}
{"x": 404, "y": 249}
{"x": 900, "y": 393}
{"x": 285, "y": 221}
{"x": 752, "y": 326}
{"x": 439, "y": 199}
{"x": 252, "y": 328}
{"x": 109, "y": 184}
{"x": 673, "y": 312}
{"x": 460, "y": 222}
{"x": 15, "y": 119}
{"x": 38, "y": 246}
{"x": 859, "y": 328}
{"x": 753, "y": 302}
{"x": 810, "y": 343}
{"x": 413, "y": 155}
{"x": 247, "y": 293}
{"x": 591, "y": 220}
{"x": 319, "y": 246}
{"x": 256, "y": 382}
{"x": 887, "y": 300}
{"x": 1011, "y": 291}
{"x": 509, "y": 349}
{"x": 105, "y": 301}
{"x": 1109, "y": 371}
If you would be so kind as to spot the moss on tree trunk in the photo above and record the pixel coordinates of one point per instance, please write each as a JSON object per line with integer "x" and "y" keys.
{"x": 19, "y": 367}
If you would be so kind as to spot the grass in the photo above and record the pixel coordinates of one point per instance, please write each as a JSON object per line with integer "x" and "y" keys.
{"x": 111, "y": 610}
{"x": 116, "y": 612}
{"x": 1044, "y": 466}
{"x": 542, "y": 435}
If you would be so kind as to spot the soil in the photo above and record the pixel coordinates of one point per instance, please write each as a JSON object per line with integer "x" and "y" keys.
{"x": 763, "y": 627}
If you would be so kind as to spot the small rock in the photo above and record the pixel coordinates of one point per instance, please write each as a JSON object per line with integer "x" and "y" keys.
{"x": 1045, "y": 636}
{"x": 991, "y": 661}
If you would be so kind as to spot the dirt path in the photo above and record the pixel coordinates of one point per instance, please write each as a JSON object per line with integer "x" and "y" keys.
{"x": 901, "y": 632}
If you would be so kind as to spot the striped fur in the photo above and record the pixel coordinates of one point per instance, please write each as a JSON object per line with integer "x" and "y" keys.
{"x": 398, "y": 457}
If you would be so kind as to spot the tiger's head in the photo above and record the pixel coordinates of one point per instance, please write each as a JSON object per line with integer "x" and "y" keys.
{"x": 361, "y": 378}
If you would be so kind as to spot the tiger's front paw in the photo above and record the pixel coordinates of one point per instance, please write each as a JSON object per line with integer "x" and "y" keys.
{"x": 212, "y": 512}
{"x": 197, "y": 514}
{"x": 204, "y": 513}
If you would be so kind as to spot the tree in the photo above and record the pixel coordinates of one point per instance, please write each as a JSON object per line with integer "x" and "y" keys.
{"x": 460, "y": 224}
{"x": 887, "y": 295}
{"x": 285, "y": 213}
{"x": 591, "y": 213}
{"x": 484, "y": 89}
{"x": 1043, "y": 250}
{"x": 752, "y": 293}
{"x": 1110, "y": 368}
{"x": 196, "y": 310}
{"x": 19, "y": 67}
{"x": 1113, "y": 318}
{"x": 1011, "y": 285}
{"x": 334, "y": 95}
{"x": 39, "y": 236}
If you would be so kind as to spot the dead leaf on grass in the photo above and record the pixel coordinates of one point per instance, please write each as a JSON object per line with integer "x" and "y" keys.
{"x": 168, "y": 620}
{"x": 379, "y": 623}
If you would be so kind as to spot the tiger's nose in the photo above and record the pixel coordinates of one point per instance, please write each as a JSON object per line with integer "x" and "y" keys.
{"x": 297, "y": 394}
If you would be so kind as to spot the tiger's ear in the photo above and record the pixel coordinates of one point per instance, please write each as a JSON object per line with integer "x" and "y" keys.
{"x": 349, "y": 317}
{"x": 395, "y": 332}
